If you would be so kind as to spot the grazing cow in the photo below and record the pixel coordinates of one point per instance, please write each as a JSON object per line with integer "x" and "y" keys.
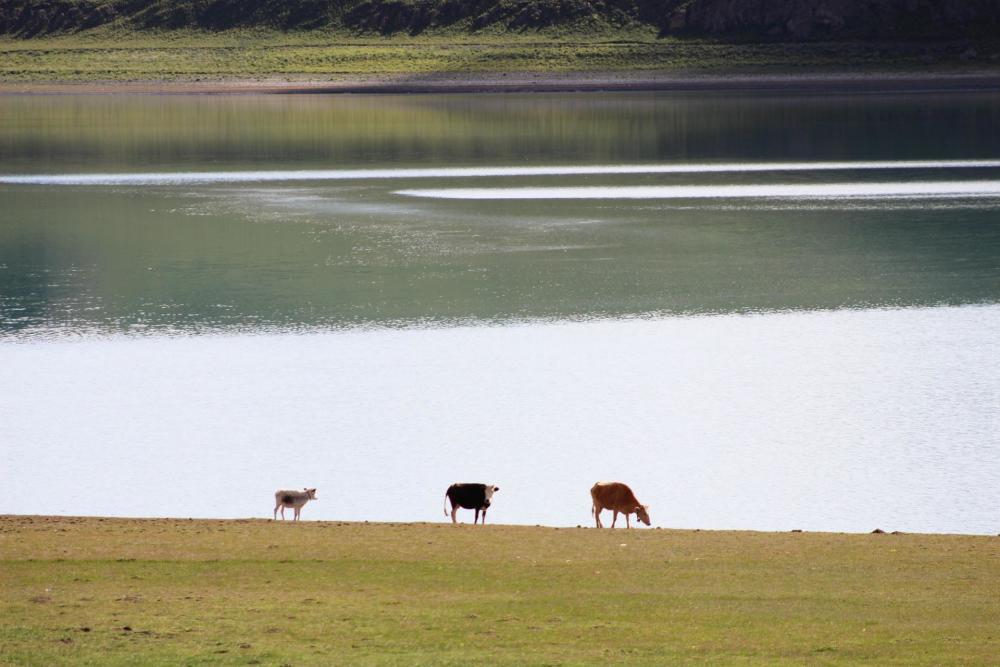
{"x": 616, "y": 497}
{"x": 294, "y": 499}
{"x": 470, "y": 496}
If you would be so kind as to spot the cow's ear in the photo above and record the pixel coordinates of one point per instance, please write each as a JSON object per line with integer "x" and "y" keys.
{"x": 495, "y": 489}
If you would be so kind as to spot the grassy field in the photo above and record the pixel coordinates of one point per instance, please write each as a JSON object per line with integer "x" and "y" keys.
{"x": 120, "y": 591}
{"x": 188, "y": 55}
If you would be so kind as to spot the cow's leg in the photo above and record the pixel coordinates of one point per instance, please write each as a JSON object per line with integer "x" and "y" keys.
{"x": 475, "y": 519}
{"x": 297, "y": 510}
{"x": 627, "y": 525}
{"x": 614, "y": 518}
{"x": 282, "y": 512}
{"x": 597, "y": 515}
{"x": 484, "y": 516}
{"x": 276, "y": 511}
{"x": 454, "y": 511}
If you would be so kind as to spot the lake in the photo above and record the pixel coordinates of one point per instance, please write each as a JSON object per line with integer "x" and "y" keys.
{"x": 765, "y": 312}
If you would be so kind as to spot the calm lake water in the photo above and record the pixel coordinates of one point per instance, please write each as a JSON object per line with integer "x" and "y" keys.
{"x": 762, "y": 312}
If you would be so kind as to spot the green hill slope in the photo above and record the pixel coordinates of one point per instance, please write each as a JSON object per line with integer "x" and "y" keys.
{"x": 744, "y": 19}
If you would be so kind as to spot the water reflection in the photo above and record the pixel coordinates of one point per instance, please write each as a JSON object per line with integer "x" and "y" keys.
{"x": 163, "y": 259}
{"x": 212, "y": 177}
{"x": 163, "y": 214}
{"x": 46, "y": 134}
{"x": 823, "y": 191}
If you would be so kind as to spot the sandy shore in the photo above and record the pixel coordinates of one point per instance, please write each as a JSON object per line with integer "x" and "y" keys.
{"x": 537, "y": 82}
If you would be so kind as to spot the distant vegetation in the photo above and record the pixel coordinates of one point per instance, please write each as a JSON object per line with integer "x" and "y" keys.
{"x": 330, "y": 40}
{"x": 752, "y": 20}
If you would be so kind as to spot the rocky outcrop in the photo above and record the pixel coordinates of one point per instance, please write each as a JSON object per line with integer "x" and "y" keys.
{"x": 391, "y": 16}
{"x": 801, "y": 20}
{"x": 28, "y": 18}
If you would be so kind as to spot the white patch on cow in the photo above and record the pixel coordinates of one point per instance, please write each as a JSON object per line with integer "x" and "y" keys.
{"x": 490, "y": 489}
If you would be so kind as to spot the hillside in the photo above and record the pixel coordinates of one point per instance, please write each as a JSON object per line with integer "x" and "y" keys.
{"x": 754, "y": 20}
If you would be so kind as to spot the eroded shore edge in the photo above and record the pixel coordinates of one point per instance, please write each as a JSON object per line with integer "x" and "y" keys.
{"x": 535, "y": 83}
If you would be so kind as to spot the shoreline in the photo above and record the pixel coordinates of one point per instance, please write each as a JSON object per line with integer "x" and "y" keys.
{"x": 23, "y": 519}
{"x": 532, "y": 82}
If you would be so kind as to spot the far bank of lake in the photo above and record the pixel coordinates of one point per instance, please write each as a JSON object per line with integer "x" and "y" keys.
{"x": 553, "y": 61}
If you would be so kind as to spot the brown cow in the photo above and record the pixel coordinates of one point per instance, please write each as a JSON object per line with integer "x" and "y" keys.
{"x": 616, "y": 497}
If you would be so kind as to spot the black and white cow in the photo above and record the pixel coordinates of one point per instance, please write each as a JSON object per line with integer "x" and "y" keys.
{"x": 476, "y": 497}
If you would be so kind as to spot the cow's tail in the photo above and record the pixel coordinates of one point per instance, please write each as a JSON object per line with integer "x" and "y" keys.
{"x": 446, "y": 503}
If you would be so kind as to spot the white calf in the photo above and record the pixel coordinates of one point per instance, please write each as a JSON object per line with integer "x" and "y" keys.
{"x": 294, "y": 499}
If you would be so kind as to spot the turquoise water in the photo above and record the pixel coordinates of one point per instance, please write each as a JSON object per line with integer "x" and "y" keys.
{"x": 214, "y": 214}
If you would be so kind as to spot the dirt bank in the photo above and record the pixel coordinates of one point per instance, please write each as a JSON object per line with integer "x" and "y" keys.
{"x": 538, "y": 82}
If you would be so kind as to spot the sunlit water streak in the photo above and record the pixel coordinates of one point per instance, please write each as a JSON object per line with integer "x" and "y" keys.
{"x": 841, "y": 420}
{"x": 183, "y": 178}
{"x": 909, "y": 190}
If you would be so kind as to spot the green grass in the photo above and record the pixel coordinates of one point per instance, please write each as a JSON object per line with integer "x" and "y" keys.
{"x": 108, "y": 55}
{"x": 110, "y": 591}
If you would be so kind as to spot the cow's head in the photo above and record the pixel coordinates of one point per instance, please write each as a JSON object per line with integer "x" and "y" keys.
{"x": 490, "y": 490}
{"x": 311, "y": 493}
{"x": 642, "y": 511}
